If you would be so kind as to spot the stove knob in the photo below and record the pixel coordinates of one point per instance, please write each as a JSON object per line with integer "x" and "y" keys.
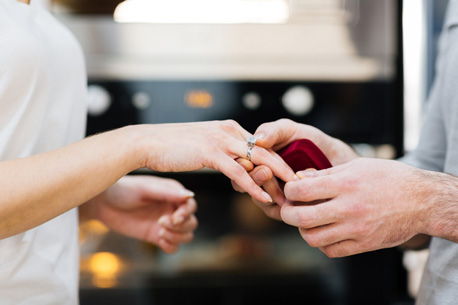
{"x": 251, "y": 100}
{"x": 99, "y": 100}
{"x": 141, "y": 100}
{"x": 298, "y": 100}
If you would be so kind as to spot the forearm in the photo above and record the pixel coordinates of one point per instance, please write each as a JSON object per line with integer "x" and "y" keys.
{"x": 38, "y": 188}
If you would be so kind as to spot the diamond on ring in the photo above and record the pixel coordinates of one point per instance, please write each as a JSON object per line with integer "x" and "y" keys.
{"x": 251, "y": 141}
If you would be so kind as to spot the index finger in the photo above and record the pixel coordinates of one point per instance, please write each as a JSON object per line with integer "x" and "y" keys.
{"x": 261, "y": 156}
{"x": 313, "y": 188}
{"x": 310, "y": 216}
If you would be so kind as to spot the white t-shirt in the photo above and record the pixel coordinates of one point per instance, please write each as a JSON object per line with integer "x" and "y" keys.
{"x": 42, "y": 107}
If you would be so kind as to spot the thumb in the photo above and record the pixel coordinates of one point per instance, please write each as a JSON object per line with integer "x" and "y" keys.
{"x": 276, "y": 134}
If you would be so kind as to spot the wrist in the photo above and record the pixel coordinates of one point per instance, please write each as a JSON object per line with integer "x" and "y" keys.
{"x": 136, "y": 143}
{"x": 440, "y": 198}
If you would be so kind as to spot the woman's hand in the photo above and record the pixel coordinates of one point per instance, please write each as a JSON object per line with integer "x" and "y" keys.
{"x": 217, "y": 145}
{"x": 156, "y": 210}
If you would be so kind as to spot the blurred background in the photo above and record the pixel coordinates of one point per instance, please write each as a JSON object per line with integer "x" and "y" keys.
{"x": 360, "y": 70}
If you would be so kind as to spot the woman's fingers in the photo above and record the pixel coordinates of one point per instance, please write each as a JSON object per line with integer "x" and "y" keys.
{"x": 261, "y": 156}
{"x": 271, "y": 210}
{"x": 176, "y": 237}
{"x": 189, "y": 224}
{"x": 273, "y": 188}
{"x": 236, "y": 172}
{"x": 245, "y": 163}
{"x": 184, "y": 211}
{"x": 167, "y": 246}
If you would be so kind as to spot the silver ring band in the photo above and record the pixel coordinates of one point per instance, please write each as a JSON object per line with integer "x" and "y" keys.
{"x": 251, "y": 142}
{"x": 248, "y": 155}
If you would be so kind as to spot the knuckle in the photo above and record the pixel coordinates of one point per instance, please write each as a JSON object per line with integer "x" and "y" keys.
{"x": 285, "y": 121}
{"x": 302, "y": 193}
{"x": 357, "y": 209}
{"x": 304, "y": 220}
{"x": 239, "y": 171}
{"x": 349, "y": 183}
{"x": 359, "y": 230}
{"x": 228, "y": 125}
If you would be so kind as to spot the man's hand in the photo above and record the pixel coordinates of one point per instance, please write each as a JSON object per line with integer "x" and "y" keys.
{"x": 156, "y": 210}
{"x": 370, "y": 204}
{"x": 278, "y": 134}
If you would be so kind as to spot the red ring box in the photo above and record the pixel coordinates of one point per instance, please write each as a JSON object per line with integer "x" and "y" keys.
{"x": 303, "y": 154}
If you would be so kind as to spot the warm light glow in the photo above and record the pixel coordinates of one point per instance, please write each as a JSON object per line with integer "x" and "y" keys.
{"x": 202, "y": 11}
{"x": 199, "y": 99}
{"x": 105, "y": 266}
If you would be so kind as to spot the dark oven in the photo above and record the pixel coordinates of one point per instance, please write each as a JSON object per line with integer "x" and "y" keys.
{"x": 335, "y": 65}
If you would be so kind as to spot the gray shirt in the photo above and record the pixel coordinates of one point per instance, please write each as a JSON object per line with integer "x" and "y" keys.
{"x": 438, "y": 151}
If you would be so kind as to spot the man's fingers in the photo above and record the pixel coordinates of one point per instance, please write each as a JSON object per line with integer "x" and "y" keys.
{"x": 276, "y": 134}
{"x": 343, "y": 248}
{"x": 311, "y": 172}
{"x": 324, "y": 235}
{"x": 247, "y": 165}
{"x": 261, "y": 175}
{"x": 310, "y": 216}
{"x": 316, "y": 188}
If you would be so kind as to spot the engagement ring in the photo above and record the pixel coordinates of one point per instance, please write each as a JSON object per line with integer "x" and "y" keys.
{"x": 251, "y": 142}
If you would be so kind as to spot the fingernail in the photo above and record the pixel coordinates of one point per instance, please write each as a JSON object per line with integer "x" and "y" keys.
{"x": 162, "y": 221}
{"x": 296, "y": 178}
{"x": 162, "y": 232}
{"x": 259, "y": 136}
{"x": 307, "y": 173}
{"x": 187, "y": 193}
{"x": 261, "y": 175}
{"x": 178, "y": 220}
{"x": 267, "y": 197}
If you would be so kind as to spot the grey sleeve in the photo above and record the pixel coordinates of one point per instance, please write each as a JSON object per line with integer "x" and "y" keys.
{"x": 432, "y": 146}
